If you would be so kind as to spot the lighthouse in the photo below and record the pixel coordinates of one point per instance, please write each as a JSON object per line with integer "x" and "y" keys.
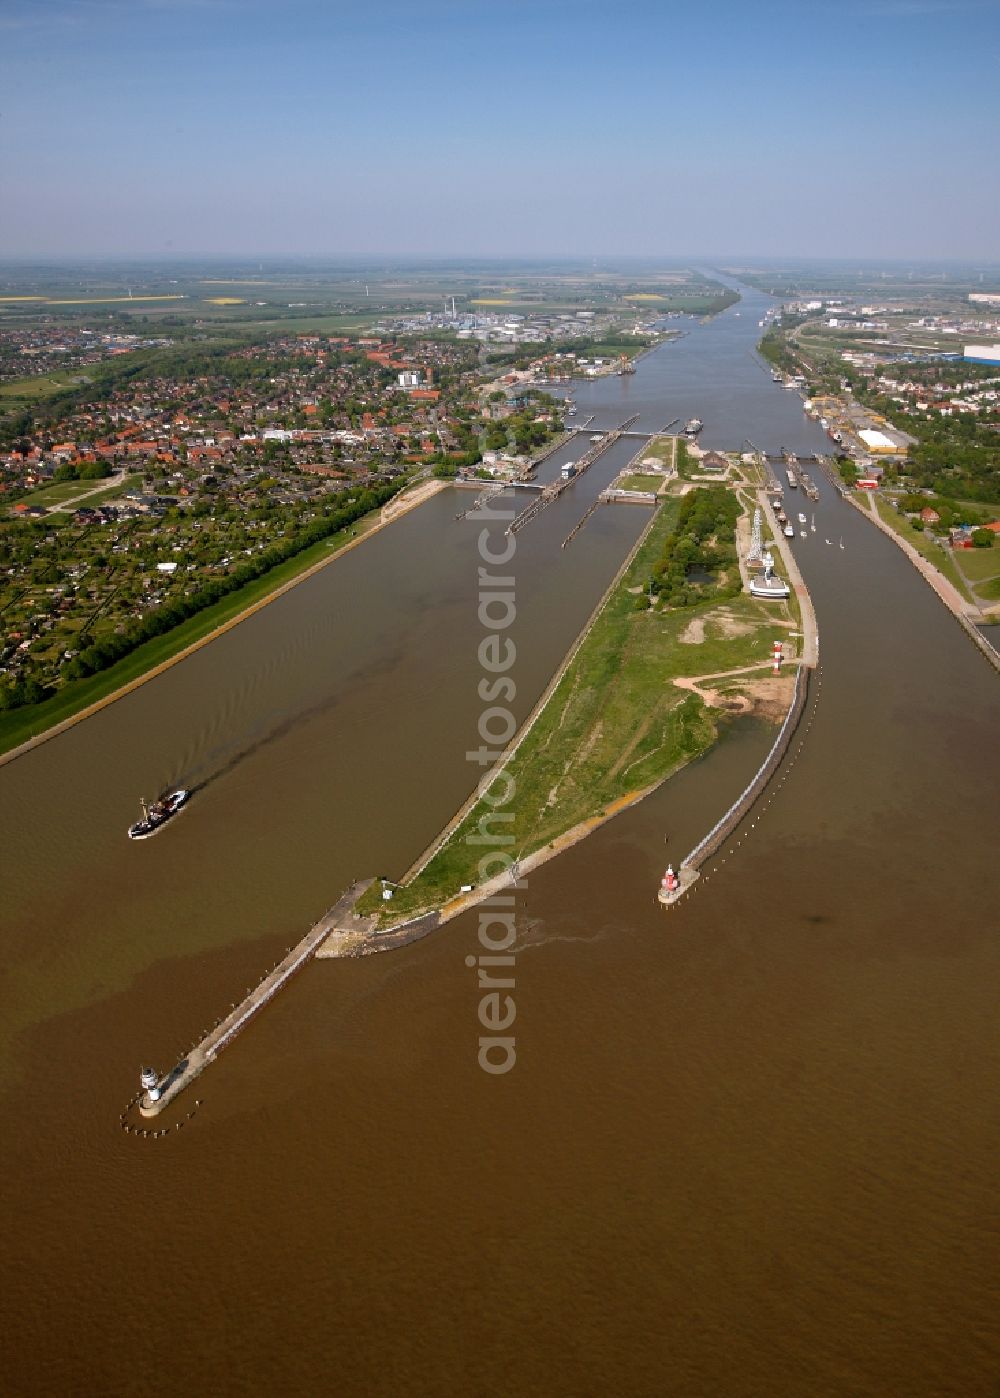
{"x": 149, "y": 1082}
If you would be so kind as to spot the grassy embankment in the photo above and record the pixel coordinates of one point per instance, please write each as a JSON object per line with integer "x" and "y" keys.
{"x": 18, "y": 725}
{"x": 934, "y": 553}
{"x": 615, "y": 724}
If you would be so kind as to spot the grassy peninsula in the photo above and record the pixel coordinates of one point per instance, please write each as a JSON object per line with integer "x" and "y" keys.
{"x": 643, "y": 695}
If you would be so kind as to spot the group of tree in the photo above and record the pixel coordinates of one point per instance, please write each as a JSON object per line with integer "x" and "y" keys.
{"x": 701, "y": 541}
{"x": 87, "y": 471}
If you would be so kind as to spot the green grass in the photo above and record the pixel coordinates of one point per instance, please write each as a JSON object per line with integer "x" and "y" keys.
{"x": 652, "y": 483}
{"x": 991, "y": 592}
{"x": 19, "y": 725}
{"x": 55, "y": 494}
{"x": 614, "y": 725}
{"x": 934, "y": 553}
{"x": 110, "y": 492}
{"x": 978, "y": 565}
{"x": 662, "y": 448}
{"x": 39, "y": 386}
{"x": 88, "y": 492}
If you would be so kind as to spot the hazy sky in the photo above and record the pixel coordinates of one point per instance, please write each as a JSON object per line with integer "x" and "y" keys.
{"x": 815, "y": 127}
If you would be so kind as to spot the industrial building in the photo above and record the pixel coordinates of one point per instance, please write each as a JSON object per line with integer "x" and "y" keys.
{"x": 983, "y": 354}
{"x": 878, "y": 443}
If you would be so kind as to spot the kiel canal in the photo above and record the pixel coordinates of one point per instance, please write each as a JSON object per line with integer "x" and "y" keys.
{"x": 749, "y": 1146}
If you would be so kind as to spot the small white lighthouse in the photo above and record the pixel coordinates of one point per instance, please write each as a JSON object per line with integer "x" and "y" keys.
{"x": 149, "y": 1081}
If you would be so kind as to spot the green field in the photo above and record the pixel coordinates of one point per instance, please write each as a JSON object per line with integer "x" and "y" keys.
{"x": 111, "y": 492}
{"x": 978, "y": 565}
{"x": 614, "y": 724}
{"x": 652, "y": 483}
{"x": 37, "y": 387}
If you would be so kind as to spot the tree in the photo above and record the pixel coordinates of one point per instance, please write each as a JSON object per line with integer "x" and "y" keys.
{"x": 982, "y": 538}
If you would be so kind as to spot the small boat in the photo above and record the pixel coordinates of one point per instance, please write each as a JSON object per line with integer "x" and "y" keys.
{"x": 841, "y": 543}
{"x": 789, "y": 532}
{"x": 802, "y": 518}
{"x": 803, "y": 534}
{"x": 812, "y": 524}
{"x": 157, "y": 813}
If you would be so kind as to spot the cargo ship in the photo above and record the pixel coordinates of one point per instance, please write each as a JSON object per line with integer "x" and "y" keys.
{"x": 157, "y": 813}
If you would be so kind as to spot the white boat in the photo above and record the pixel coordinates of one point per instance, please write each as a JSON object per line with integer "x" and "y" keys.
{"x": 768, "y": 585}
{"x": 803, "y": 534}
{"x": 812, "y": 524}
{"x": 789, "y": 532}
{"x": 802, "y": 518}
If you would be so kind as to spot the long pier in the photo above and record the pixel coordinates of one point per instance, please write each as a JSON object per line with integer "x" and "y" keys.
{"x": 222, "y": 1034}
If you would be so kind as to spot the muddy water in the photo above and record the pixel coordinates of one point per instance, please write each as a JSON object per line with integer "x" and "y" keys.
{"x": 749, "y": 1146}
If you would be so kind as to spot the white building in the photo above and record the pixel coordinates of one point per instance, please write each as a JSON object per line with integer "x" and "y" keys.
{"x": 877, "y": 442}
{"x": 983, "y": 354}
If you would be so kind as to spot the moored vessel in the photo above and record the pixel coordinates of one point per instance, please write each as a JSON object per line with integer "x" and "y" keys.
{"x": 693, "y": 427}
{"x": 769, "y": 585}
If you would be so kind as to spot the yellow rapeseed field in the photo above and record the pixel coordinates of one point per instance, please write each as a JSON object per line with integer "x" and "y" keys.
{"x": 226, "y": 300}
{"x": 105, "y": 300}
{"x": 645, "y": 296}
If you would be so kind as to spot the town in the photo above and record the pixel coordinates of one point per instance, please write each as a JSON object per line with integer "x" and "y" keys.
{"x": 180, "y": 482}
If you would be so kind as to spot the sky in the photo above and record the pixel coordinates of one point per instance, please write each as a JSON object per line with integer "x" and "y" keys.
{"x": 782, "y": 128}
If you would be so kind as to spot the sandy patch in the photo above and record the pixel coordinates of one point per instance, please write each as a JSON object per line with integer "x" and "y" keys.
{"x": 768, "y": 698}
{"x": 694, "y": 633}
{"x": 731, "y": 625}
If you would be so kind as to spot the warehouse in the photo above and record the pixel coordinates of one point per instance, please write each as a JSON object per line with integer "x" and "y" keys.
{"x": 983, "y": 354}
{"x": 878, "y": 443}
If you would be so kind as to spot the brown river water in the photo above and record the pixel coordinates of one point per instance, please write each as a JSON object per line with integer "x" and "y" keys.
{"x": 749, "y": 1147}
